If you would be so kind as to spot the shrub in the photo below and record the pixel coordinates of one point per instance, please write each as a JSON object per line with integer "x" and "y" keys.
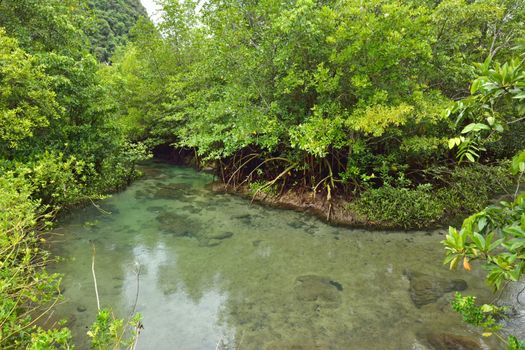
{"x": 400, "y": 207}
{"x": 472, "y": 187}
{"x": 26, "y": 289}
{"x": 469, "y": 189}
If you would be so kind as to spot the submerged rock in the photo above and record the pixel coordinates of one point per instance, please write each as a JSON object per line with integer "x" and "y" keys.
{"x": 213, "y": 239}
{"x": 172, "y": 191}
{"x": 337, "y": 285}
{"x": 323, "y": 290}
{"x": 81, "y": 308}
{"x": 191, "y": 209}
{"x": 221, "y": 200}
{"x": 297, "y": 224}
{"x": 426, "y": 289}
{"x": 142, "y": 194}
{"x": 220, "y": 235}
{"x": 177, "y": 225}
{"x": 155, "y": 209}
{"x": 182, "y": 226}
{"x": 177, "y": 191}
{"x": 245, "y": 218}
{"x": 152, "y": 173}
{"x": 448, "y": 341}
{"x": 304, "y": 226}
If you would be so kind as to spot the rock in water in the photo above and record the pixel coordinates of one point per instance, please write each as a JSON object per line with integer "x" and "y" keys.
{"x": 322, "y": 290}
{"x": 245, "y": 218}
{"x": 426, "y": 289}
{"x": 213, "y": 239}
{"x": 219, "y": 235}
{"x": 177, "y": 225}
{"x": 81, "y": 308}
{"x": 172, "y": 191}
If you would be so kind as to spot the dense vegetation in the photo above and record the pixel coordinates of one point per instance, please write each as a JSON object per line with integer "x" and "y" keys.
{"x": 60, "y": 145}
{"x": 109, "y": 24}
{"x": 345, "y": 98}
{"x": 366, "y": 102}
{"x": 496, "y": 235}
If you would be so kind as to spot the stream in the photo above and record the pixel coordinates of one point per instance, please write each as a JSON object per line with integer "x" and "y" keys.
{"x": 212, "y": 271}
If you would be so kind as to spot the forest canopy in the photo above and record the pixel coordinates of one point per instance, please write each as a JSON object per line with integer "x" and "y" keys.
{"x": 344, "y": 97}
{"x": 109, "y": 23}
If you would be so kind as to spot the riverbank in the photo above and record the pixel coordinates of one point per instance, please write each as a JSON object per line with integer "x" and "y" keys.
{"x": 384, "y": 208}
{"x": 334, "y": 211}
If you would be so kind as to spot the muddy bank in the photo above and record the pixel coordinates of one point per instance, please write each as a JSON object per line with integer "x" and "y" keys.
{"x": 334, "y": 212}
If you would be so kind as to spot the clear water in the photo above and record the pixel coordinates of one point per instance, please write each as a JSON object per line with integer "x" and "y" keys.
{"x": 277, "y": 279}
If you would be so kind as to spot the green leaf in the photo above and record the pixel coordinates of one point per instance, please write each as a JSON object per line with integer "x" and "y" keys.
{"x": 476, "y": 84}
{"x": 479, "y": 240}
{"x": 474, "y": 127}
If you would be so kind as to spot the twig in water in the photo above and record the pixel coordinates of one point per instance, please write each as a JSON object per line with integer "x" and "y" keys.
{"x": 137, "y": 272}
{"x": 94, "y": 276}
{"x": 139, "y": 325}
{"x": 218, "y": 343}
{"x": 98, "y": 207}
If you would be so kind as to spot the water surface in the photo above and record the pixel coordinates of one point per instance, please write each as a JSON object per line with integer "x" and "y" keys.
{"x": 216, "y": 272}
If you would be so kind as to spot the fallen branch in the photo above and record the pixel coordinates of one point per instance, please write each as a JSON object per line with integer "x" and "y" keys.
{"x": 94, "y": 276}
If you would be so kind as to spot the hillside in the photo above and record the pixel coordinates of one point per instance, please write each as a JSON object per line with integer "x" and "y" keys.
{"x": 110, "y": 23}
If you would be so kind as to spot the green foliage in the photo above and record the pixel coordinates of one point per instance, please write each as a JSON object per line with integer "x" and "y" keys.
{"x": 60, "y": 145}
{"x": 26, "y": 289}
{"x": 473, "y": 30}
{"x": 108, "y": 332}
{"x": 495, "y": 235}
{"x": 486, "y": 317}
{"x": 27, "y": 100}
{"x": 51, "y": 339}
{"x": 261, "y": 187}
{"x": 463, "y": 190}
{"x": 58, "y": 127}
{"x": 138, "y": 79}
{"x": 109, "y": 23}
{"x": 497, "y": 102}
{"x": 45, "y": 26}
{"x": 401, "y": 207}
{"x": 350, "y": 92}
{"x": 471, "y": 187}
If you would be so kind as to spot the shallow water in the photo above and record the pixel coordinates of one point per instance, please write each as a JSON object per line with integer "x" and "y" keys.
{"x": 216, "y": 272}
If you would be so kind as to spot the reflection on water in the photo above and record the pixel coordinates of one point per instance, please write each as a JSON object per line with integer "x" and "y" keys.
{"x": 219, "y": 273}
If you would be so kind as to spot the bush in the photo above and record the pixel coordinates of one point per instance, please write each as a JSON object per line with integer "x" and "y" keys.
{"x": 26, "y": 289}
{"x": 400, "y": 207}
{"x": 469, "y": 189}
{"x": 472, "y": 187}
